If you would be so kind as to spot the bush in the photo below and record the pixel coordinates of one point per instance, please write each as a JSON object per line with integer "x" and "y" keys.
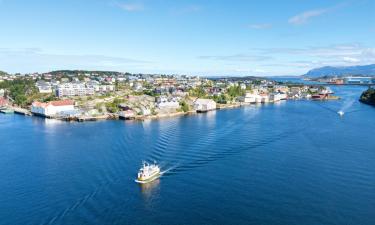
{"x": 184, "y": 106}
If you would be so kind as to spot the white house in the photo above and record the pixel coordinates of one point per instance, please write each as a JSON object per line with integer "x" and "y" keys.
{"x": 44, "y": 87}
{"x": 204, "y": 105}
{"x": 250, "y": 98}
{"x": 52, "y": 108}
{"x": 264, "y": 98}
{"x": 275, "y": 97}
{"x": 127, "y": 114}
{"x": 165, "y": 102}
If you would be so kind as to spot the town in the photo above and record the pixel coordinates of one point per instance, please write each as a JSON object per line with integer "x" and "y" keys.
{"x": 95, "y": 95}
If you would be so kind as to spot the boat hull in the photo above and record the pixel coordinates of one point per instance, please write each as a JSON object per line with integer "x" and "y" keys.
{"x": 151, "y": 178}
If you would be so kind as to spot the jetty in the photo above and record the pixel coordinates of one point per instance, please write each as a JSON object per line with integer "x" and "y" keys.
{"x": 21, "y": 111}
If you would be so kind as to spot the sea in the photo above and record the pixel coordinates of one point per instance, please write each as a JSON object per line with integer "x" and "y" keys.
{"x": 292, "y": 162}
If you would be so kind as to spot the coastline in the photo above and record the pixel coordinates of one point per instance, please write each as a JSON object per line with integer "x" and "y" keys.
{"x": 114, "y": 116}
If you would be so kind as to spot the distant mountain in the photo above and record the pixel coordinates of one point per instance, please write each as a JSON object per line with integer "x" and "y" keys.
{"x": 235, "y": 78}
{"x": 368, "y": 70}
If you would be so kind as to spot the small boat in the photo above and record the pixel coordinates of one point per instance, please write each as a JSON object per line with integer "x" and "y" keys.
{"x": 148, "y": 173}
{"x": 341, "y": 113}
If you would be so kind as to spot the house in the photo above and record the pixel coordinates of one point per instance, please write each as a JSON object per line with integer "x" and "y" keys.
{"x": 250, "y": 98}
{"x": 165, "y": 102}
{"x": 137, "y": 86}
{"x": 52, "y": 108}
{"x": 204, "y": 105}
{"x": 127, "y": 114}
{"x": 264, "y": 98}
{"x": 275, "y": 97}
{"x": 44, "y": 87}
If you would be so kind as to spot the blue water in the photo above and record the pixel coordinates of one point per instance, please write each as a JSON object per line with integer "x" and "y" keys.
{"x": 294, "y": 162}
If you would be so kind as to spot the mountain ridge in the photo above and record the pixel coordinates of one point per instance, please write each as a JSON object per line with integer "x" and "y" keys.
{"x": 368, "y": 70}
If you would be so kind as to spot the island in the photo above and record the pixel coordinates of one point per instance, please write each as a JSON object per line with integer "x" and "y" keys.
{"x": 77, "y": 95}
{"x": 368, "y": 96}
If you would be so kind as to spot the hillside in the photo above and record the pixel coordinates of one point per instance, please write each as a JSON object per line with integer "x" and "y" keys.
{"x": 78, "y": 72}
{"x": 2, "y": 73}
{"x": 368, "y": 70}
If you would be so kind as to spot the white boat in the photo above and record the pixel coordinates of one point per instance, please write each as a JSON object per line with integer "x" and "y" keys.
{"x": 148, "y": 172}
{"x": 341, "y": 113}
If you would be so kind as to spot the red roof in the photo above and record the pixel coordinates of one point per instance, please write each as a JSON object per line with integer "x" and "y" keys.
{"x": 62, "y": 102}
{"x": 54, "y": 103}
{"x": 3, "y": 101}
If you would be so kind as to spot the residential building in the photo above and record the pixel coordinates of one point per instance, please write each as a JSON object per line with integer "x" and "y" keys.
{"x": 44, "y": 87}
{"x": 74, "y": 89}
{"x": 168, "y": 102}
{"x": 275, "y": 97}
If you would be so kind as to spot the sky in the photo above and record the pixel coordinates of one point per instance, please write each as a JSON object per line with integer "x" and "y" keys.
{"x": 196, "y": 37}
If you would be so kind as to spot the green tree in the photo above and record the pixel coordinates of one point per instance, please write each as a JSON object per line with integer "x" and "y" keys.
{"x": 235, "y": 91}
{"x": 184, "y": 106}
{"x": 198, "y": 92}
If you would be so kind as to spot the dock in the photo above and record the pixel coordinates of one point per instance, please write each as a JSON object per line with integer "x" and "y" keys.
{"x": 21, "y": 111}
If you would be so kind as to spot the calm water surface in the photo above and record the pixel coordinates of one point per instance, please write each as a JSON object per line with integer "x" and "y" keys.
{"x": 294, "y": 162}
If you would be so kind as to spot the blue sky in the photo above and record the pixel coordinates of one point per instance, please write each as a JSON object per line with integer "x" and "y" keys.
{"x": 206, "y": 37}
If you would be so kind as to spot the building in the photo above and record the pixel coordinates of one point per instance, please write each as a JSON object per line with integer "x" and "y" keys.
{"x": 52, "y": 108}
{"x": 204, "y": 105}
{"x": 275, "y": 97}
{"x": 74, "y": 89}
{"x": 165, "y": 102}
{"x": 250, "y": 98}
{"x": 44, "y": 87}
{"x": 3, "y": 102}
{"x": 358, "y": 80}
{"x": 93, "y": 84}
{"x": 264, "y": 98}
{"x": 127, "y": 114}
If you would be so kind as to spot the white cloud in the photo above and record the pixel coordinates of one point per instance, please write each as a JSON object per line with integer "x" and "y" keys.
{"x": 131, "y": 6}
{"x": 271, "y": 61}
{"x": 260, "y": 26}
{"x": 248, "y": 70}
{"x": 186, "y": 10}
{"x": 351, "y": 59}
{"x": 237, "y": 57}
{"x": 305, "y": 16}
